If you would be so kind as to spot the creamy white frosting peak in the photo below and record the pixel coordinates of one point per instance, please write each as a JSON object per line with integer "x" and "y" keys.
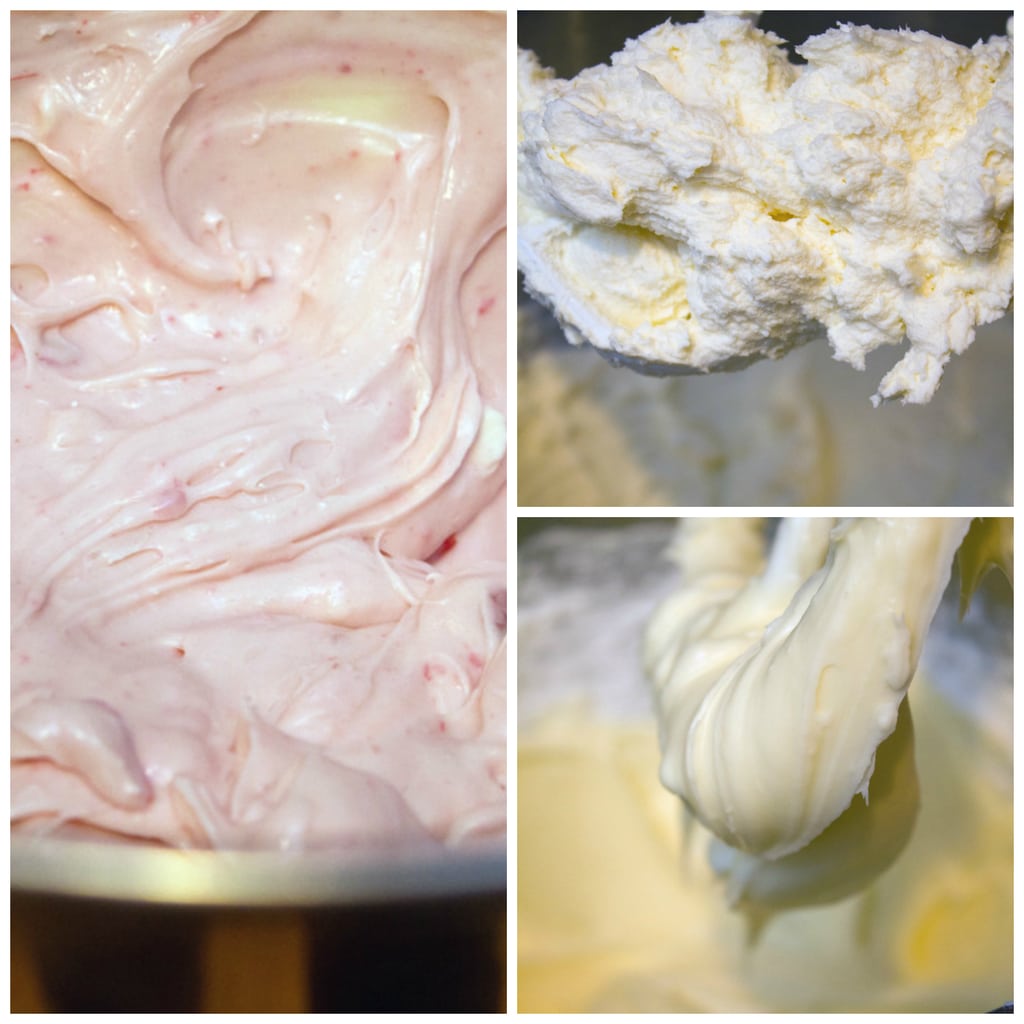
{"x": 622, "y": 911}
{"x": 778, "y": 679}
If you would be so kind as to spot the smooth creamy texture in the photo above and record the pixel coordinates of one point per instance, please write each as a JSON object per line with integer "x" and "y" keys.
{"x": 620, "y": 909}
{"x": 258, "y": 404}
{"x": 701, "y": 201}
{"x": 776, "y": 683}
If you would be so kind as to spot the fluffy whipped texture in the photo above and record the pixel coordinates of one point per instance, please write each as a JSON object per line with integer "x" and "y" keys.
{"x": 703, "y": 202}
{"x": 258, "y": 405}
{"x": 778, "y": 687}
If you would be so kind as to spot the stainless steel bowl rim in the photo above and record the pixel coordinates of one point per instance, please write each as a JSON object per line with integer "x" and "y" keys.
{"x": 254, "y": 878}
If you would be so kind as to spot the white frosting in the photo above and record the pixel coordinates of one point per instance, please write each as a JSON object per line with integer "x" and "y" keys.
{"x": 702, "y": 201}
{"x": 620, "y": 910}
{"x": 777, "y": 682}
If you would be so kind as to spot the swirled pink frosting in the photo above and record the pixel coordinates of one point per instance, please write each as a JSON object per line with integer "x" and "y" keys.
{"x": 258, "y": 397}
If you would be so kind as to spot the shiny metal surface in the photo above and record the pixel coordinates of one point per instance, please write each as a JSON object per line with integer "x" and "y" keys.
{"x": 570, "y": 41}
{"x": 652, "y": 368}
{"x": 110, "y": 927}
{"x": 152, "y": 875}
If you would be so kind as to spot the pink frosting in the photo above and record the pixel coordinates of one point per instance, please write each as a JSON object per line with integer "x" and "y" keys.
{"x": 258, "y": 398}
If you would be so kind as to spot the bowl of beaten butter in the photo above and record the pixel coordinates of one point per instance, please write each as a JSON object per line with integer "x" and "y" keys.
{"x": 653, "y": 226}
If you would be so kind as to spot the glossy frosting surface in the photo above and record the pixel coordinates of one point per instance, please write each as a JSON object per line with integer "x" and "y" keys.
{"x": 620, "y": 905}
{"x": 780, "y": 677}
{"x": 258, "y": 401}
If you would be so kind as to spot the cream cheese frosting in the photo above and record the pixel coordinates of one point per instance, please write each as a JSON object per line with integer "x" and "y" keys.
{"x": 780, "y": 687}
{"x": 623, "y": 910}
{"x": 258, "y": 402}
{"x": 702, "y": 202}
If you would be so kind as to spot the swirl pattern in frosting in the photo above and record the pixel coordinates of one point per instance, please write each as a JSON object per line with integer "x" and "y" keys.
{"x": 780, "y": 682}
{"x": 258, "y": 397}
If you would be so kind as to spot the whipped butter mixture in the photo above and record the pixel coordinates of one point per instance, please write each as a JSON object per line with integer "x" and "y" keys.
{"x": 258, "y": 418}
{"x": 703, "y": 202}
{"x": 800, "y": 655}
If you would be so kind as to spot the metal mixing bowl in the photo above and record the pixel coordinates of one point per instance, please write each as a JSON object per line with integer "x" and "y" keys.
{"x": 108, "y": 927}
{"x": 570, "y": 41}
